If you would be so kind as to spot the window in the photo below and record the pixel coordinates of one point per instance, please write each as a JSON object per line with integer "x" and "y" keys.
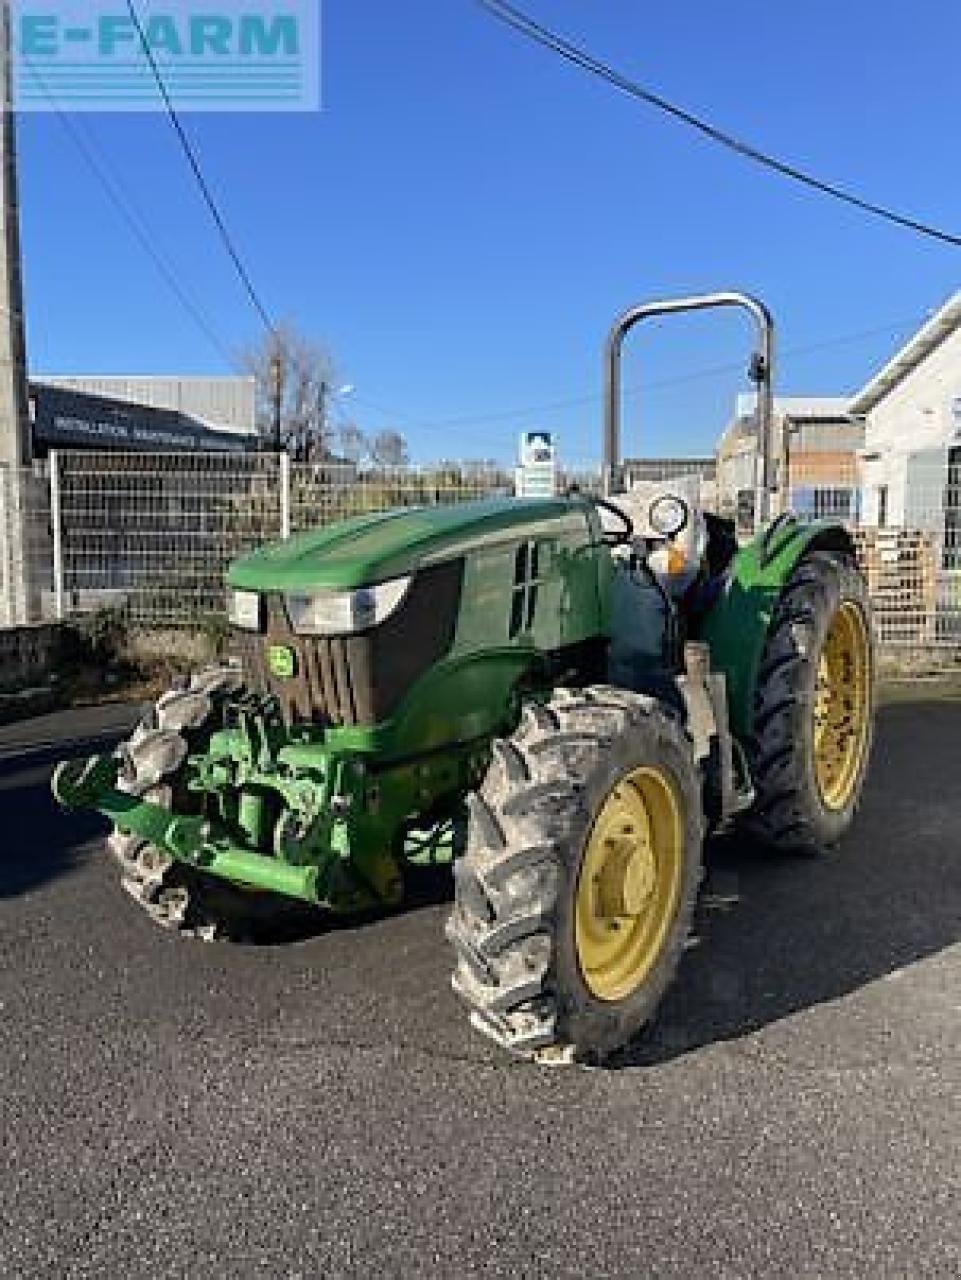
{"x": 952, "y": 512}
{"x": 744, "y": 514}
{"x": 882, "y": 506}
{"x": 833, "y": 504}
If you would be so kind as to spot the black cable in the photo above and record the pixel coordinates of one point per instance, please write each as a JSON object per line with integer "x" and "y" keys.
{"x": 526, "y": 26}
{"x": 198, "y": 174}
{"x": 641, "y": 388}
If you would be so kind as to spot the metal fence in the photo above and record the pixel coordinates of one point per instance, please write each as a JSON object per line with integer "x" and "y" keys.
{"x": 152, "y": 535}
{"x": 908, "y": 539}
{"x": 320, "y": 493}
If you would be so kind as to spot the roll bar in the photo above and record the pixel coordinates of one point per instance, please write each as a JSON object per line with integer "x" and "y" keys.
{"x": 761, "y": 373}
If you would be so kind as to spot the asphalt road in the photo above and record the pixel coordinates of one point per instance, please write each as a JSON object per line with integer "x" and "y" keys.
{"x": 322, "y": 1108}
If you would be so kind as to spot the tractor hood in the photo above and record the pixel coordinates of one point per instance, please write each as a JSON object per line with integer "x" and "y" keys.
{"x": 372, "y": 548}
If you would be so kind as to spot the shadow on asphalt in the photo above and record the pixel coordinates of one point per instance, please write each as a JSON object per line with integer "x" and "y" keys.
{"x": 777, "y": 935}
{"x": 39, "y": 842}
{"x": 773, "y": 936}
{"x": 288, "y": 924}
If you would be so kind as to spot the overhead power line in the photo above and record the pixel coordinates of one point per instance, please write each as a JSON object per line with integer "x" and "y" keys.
{"x": 194, "y": 164}
{"x": 641, "y": 389}
{"x": 132, "y": 218}
{"x": 532, "y": 30}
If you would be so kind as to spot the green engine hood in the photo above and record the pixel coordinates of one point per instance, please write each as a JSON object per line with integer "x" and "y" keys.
{"x": 373, "y": 548}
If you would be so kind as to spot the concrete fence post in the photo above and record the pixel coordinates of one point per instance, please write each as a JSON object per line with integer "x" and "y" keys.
{"x": 7, "y": 610}
{"x": 57, "y": 533}
{"x": 19, "y": 589}
{"x": 284, "y": 481}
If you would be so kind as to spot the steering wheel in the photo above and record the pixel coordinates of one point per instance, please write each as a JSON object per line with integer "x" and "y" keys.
{"x": 617, "y": 537}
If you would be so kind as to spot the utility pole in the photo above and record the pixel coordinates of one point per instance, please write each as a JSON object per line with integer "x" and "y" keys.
{"x": 322, "y": 418}
{"x": 20, "y": 602}
{"x": 277, "y": 392}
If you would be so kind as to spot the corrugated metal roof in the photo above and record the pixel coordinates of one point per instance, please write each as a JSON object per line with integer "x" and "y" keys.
{"x": 927, "y": 339}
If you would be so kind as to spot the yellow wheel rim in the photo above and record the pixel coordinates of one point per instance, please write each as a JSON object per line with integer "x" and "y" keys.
{"x": 842, "y": 707}
{"x": 629, "y": 884}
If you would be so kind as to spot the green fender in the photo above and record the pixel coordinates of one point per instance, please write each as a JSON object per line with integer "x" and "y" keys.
{"x": 736, "y": 625}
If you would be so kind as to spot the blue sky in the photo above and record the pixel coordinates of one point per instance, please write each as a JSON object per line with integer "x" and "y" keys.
{"x": 466, "y": 215}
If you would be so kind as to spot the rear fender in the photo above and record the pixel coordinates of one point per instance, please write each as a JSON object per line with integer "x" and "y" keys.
{"x": 736, "y": 625}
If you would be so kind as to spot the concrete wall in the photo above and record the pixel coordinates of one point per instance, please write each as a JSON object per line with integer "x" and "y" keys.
{"x": 921, "y": 410}
{"x": 920, "y": 415}
{"x": 178, "y": 645}
{"x": 26, "y": 564}
{"x": 27, "y": 655}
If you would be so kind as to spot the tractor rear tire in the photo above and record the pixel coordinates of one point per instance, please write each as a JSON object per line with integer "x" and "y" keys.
{"x": 813, "y": 708}
{"x": 574, "y": 898}
{"x": 152, "y": 759}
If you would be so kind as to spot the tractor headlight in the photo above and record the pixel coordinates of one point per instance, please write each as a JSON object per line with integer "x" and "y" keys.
{"x": 243, "y": 609}
{"x": 331, "y": 613}
{"x": 667, "y": 515}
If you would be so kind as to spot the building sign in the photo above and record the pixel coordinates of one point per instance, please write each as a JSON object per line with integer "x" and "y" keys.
{"x": 65, "y": 419}
{"x": 536, "y": 476}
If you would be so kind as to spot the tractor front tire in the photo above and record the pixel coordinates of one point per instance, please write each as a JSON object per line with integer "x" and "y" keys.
{"x": 813, "y": 708}
{"x": 152, "y": 761}
{"x": 574, "y": 899}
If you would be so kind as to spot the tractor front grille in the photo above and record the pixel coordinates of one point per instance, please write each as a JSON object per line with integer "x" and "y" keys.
{"x": 355, "y": 679}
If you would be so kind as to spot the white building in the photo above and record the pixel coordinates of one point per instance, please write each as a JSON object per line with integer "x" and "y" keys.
{"x": 911, "y": 409}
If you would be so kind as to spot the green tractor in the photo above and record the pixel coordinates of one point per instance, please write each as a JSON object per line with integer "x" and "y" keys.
{"x": 561, "y": 696}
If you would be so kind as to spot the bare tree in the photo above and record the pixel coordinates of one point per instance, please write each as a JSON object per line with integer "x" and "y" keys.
{"x": 306, "y": 374}
{"x": 389, "y": 449}
{"x": 479, "y": 468}
{"x": 352, "y": 444}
